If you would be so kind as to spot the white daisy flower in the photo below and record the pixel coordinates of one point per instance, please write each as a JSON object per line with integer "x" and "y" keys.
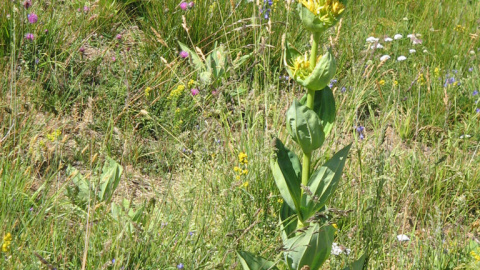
{"x": 388, "y": 39}
{"x": 372, "y": 39}
{"x": 378, "y": 46}
{"x": 385, "y": 57}
{"x": 412, "y": 51}
{"x": 397, "y": 36}
{"x": 402, "y": 58}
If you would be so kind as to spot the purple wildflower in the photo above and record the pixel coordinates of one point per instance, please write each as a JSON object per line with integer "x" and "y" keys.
{"x": 194, "y": 91}
{"x": 86, "y": 9}
{"x": 332, "y": 83}
{"x": 183, "y": 5}
{"x": 191, "y": 4}
{"x": 470, "y": 69}
{"x": 475, "y": 92}
{"x": 32, "y": 18}
{"x": 113, "y": 261}
{"x": 118, "y": 36}
{"x": 183, "y": 54}
{"x": 82, "y": 50}
{"x": 180, "y": 266}
{"x": 29, "y": 36}
{"x": 360, "y": 130}
{"x": 344, "y": 89}
{"x": 478, "y": 110}
{"x": 114, "y": 59}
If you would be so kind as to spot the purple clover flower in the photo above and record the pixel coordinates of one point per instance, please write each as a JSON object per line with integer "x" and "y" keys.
{"x": 194, "y": 91}
{"x": 29, "y": 36}
{"x": 32, "y": 18}
{"x": 119, "y": 37}
{"x": 82, "y": 50}
{"x": 183, "y": 5}
{"x": 183, "y": 54}
{"x": 191, "y": 4}
{"x": 86, "y": 9}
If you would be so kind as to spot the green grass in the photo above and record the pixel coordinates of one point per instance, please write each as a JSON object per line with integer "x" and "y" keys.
{"x": 415, "y": 173}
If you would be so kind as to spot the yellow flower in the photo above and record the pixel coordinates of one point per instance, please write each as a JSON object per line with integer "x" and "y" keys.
{"x": 244, "y": 185}
{"x": 245, "y": 171}
{"x": 280, "y": 200}
{"x": 147, "y": 91}
{"x": 236, "y": 169}
{"x": 327, "y": 11}
{"x": 437, "y": 72}
{"x": 54, "y": 135}
{"x": 335, "y": 226}
{"x": 242, "y": 158}
{"x": 7, "y": 240}
{"x": 177, "y": 92}
{"x": 381, "y": 82}
{"x": 395, "y": 83}
{"x": 191, "y": 83}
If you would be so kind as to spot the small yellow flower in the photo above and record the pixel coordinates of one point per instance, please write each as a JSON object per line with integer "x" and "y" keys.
{"x": 280, "y": 200}
{"x": 245, "y": 171}
{"x": 335, "y": 226}
{"x": 437, "y": 72}
{"x": 381, "y": 82}
{"x": 54, "y": 135}
{"x": 244, "y": 185}
{"x": 191, "y": 83}
{"x": 236, "y": 169}
{"x": 242, "y": 158}
{"x": 395, "y": 83}
{"x": 7, "y": 240}
{"x": 147, "y": 91}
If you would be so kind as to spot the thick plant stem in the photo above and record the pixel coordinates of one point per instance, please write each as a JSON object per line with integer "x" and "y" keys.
{"x": 310, "y": 100}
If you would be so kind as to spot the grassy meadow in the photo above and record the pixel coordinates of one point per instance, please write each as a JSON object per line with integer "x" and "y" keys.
{"x": 92, "y": 90}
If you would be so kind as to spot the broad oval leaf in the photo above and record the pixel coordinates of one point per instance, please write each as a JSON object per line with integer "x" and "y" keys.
{"x": 324, "y": 107}
{"x": 310, "y": 248}
{"x": 287, "y": 172}
{"x": 109, "y": 179}
{"x": 305, "y": 127}
{"x": 323, "y": 183}
{"x": 196, "y": 60}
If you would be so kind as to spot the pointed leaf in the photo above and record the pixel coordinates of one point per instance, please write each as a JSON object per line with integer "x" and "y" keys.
{"x": 305, "y": 127}
{"x": 358, "y": 264}
{"x": 109, "y": 179}
{"x": 253, "y": 262}
{"x": 312, "y": 247}
{"x": 196, "y": 60}
{"x": 324, "y": 107}
{"x": 323, "y": 183}
{"x": 287, "y": 171}
{"x": 288, "y": 222}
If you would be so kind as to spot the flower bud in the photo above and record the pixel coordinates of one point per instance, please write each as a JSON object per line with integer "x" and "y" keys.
{"x": 319, "y": 15}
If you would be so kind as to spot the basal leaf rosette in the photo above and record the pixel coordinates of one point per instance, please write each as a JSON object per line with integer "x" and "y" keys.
{"x": 298, "y": 67}
{"x": 319, "y": 15}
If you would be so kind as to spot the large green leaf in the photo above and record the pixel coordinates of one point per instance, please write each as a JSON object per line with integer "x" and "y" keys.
{"x": 253, "y": 262}
{"x": 324, "y": 107}
{"x": 305, "y": 127}
{"x": 80, "y": 192}
{"x": 109, "y": 179}
{"x": 311, "y": 247}
{"x": 323, "y": 183}
{"x": 287, "y": 172}
{"x": 196, "y": 60}
{"x": 288, "y": 222}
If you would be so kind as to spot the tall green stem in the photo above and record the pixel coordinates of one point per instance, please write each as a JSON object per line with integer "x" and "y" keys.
{"x": 310, "y": 98}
